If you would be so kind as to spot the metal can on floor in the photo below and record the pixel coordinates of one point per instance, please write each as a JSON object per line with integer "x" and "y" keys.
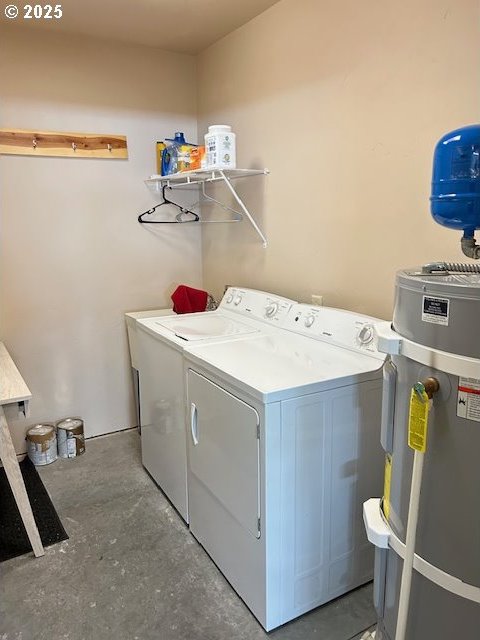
{"x": 70, "y": 438}
{"x": 42, "y": 444}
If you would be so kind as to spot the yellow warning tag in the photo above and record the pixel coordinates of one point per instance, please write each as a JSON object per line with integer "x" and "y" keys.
{"x": 418, "y": 419}
{"x": 386, "y": 486}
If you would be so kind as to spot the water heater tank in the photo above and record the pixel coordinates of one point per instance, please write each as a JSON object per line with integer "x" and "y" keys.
{"x": 455, "y": 199}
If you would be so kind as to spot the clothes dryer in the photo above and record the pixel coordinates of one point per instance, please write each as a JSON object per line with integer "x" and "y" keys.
{"x": 282, "y": 451}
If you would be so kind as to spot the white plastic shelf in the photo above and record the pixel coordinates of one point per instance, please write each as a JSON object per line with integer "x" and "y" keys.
{"x": 202, "y": 177}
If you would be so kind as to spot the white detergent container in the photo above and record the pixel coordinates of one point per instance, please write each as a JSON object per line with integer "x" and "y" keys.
{"x": 220, "y": 147}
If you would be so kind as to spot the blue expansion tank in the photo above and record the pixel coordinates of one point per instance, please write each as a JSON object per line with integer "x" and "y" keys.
{"x": 455, "y": 199}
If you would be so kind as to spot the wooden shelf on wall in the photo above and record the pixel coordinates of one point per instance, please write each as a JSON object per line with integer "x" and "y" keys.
{"x": 66, "y": 145}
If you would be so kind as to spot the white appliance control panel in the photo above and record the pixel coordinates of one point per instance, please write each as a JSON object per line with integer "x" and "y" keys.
{"x": 257, "y": 304}
{"x": 336, "y": 326}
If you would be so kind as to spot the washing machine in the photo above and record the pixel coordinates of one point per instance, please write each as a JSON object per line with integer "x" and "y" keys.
{"x": 160, "y": 343}
{"x": 131, "y": 321}
{"x": 283, "y": 448}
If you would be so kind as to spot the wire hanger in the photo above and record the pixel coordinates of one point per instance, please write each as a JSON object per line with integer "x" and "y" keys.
{"x": 178, "y": 217}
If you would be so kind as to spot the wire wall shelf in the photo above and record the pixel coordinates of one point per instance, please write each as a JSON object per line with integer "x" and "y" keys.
{"x": 186, "y": 179}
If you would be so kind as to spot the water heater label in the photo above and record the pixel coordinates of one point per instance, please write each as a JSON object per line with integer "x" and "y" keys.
{"x": 435, "y": 310}
{"x": 468, "y": 400}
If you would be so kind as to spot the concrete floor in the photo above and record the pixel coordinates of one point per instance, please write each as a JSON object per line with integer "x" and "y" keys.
{"x": 132, "y": 571}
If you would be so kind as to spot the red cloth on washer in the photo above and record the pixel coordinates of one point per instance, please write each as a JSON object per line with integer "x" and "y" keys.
{"x": 188, "y": 300}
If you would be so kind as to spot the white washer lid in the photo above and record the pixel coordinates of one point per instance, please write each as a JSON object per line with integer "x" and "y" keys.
{"x": 278, "y": 366}
{"x": 206, "y": 325}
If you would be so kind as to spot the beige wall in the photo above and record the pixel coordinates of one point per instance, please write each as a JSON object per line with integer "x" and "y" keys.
{"x": 343, "y": 102}
{"x": 73, "y": 257}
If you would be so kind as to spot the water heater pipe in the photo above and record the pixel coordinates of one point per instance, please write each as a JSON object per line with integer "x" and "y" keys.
{"x": 469, "y": 246}
{"x": 444, "y": 268}
{"x": 431, "y": 386}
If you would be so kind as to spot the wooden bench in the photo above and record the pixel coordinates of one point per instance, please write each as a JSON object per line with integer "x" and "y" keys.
{"x": 13, "y": 390}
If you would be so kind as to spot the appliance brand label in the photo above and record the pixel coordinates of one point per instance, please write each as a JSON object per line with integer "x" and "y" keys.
{"x": 435, "y": 310}
{"x": 468, "y": 399}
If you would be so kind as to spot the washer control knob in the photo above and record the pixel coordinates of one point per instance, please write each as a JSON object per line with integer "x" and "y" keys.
{"x": 230, "y": 298}
{"x": 271, "y": 309}
{"x": 237, "y": 300}
{"x": 309, "y": 320}
{"x": 365, "y": 335}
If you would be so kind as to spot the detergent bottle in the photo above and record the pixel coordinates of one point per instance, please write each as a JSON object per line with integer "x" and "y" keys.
{"x": 178, "y": 156}
{"x": 170, "y": 154}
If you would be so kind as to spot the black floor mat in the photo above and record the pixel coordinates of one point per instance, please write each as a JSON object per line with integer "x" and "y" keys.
{"x": 13, "y": 537}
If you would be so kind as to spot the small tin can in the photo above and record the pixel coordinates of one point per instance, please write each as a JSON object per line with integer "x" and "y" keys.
{"x": 42, "y": 444}
{"x": 70, "y": 438}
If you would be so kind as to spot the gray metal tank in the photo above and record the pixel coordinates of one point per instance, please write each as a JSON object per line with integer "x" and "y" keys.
{"x": 441, "y": 312}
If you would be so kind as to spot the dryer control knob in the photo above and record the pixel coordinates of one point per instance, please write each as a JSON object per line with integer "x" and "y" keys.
{"x": 237, "y": 300}
{"x": 229, "y": 298}
{"x": 271, "y": 309}
{"x": 309, "y": 320}
{"x": 365, "y": 335}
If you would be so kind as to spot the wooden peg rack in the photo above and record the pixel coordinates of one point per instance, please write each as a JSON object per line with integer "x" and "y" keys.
{"x": 66, "y": 145}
